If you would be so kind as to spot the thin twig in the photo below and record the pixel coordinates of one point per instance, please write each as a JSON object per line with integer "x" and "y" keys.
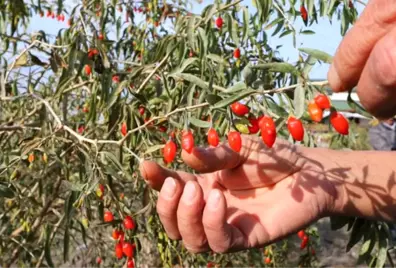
{"x": 17, "y": 58}
{"x": 17, "y": 127}
{"x": 142, "y": 85}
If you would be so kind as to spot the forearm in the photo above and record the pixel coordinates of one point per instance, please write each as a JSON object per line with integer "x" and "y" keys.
{"x": 364, "y": 181}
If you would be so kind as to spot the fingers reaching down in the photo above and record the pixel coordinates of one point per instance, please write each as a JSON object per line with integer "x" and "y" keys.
{"x": 378, "y": 18}
{"x": 189, "y": 218}
{"x": 167, "y": 204}
{"x": 377, "y": 85}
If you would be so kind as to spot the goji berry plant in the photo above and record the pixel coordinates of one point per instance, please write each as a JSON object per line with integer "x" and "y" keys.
{"x": 129, "y": 80}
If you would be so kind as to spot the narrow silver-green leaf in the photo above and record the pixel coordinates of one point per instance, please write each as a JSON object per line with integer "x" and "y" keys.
{"x": 318, "y": 54}
{"x": 299, "y": 101}
{"x": 191, "y": 32}
{"x": 234, "y": 98}
{"x": 281, "y": 67}
{"x": 199, "y": 123}
{"x": 154, "y": 148}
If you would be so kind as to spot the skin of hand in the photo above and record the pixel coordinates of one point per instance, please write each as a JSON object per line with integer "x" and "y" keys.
{"x": 241, "y": 200}
{"x": 366, "y": 58}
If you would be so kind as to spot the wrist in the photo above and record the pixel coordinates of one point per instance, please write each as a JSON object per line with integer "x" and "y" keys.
{"x": 325, "y": 166}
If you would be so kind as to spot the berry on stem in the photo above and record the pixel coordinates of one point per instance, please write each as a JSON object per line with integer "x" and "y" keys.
{"x": 187, "y": 141}
{"x": 131, "y": 263}
{"x": 118, "y": 250}
{"x": 254, "y": 125}
{"x": 124, "y": 129}
{"x": 268, "y": 131}
{"x": 304, "y": 14}
{"x": 108, "y": 216}
{"x": 213, "y": 137}
{"x": 237, "y": 53}
{"x": 88, "y": 69}
{"x": 315, "y": 112}
{"x": 295, "y": 128}
{"x": 31, "y": 157}
{"x": 169, "y": 151}
{"x": 116, "y": 234}
{"x": 235, "y": 140}
{"x": 141, "y": 110}
{"x": 127, "y": 249}
{"x": 239, "y": 109}
{"x": 322, "y": 101}
{"x": 304, "y": 242}
{"x": 219, "y": 22}
{"x": 129, "y": 223}
{"x": 339, "y": 122}
{"x": 301, "y": 234}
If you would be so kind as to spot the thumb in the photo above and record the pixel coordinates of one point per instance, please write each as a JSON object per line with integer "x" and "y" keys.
{"x": 212, "y": 159}
{"x": 155, "y": 174}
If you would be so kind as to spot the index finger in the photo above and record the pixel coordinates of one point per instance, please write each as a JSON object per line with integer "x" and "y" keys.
{"x": 378, "y": 18}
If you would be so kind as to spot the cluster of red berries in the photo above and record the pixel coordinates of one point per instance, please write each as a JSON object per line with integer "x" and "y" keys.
{"x": 267, "y": 259}
{"x": 122, "y": 247}
{"x": 264, "y": 123}
{"x": 304, "y": 239}
{"x": 320, "y": 103}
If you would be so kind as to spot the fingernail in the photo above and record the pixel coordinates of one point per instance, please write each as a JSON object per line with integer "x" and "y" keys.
{"x": 189, "y": 193}
{"x": 213, "y": 200}
{"x": 334, "y": 79}
{"x": 169, "y": 188}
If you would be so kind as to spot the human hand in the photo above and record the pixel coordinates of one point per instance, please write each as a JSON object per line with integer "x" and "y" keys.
{"x": 240, "y": 200}
{"x": 367, "y": 58}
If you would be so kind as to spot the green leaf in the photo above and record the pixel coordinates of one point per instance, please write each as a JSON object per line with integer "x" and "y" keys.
{"x": 218, "y": 59}
{"x": 154, "y": 148}
{"x": 212, "y": 98}
{"x": 210, "y": 13}
{"x": 246, "y": 29}
{"x": 236, "y": 87}
{"x": 307, "y": 32}
{"x": 191, "y": 32}
{"x": 337, "y": 222}
{"x": 366, "y": 246}
{"x": 197, "y": 81}
{"x": 286, "y": 32}
{"x": 318, "y": 54}
{"x": 6, "y": 191}
{"x": 158, "y": 100}
{"x": 192, "y": 79}
{"x": 281, "y": 67}
{"x": 47, "y": 247}
{"x": 116, "y": 93}
{"x": 199, "y": 123}
{"x": 299, "y": 101}
{"x": 66, "y": 243}
{"x": 357, "y": 107}
{"x": 185, "y": 64}
{"x": 232, "y": 99}
{"x": 276, "y": 21}
{"x": 383, "y": 244}
{"x": 357, "y": 233}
